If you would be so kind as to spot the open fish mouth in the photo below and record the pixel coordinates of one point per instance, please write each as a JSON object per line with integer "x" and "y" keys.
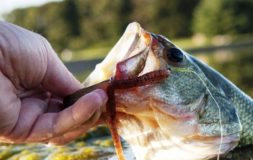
{"x": 155, "y": 128}
{"x": 135, "y": 44}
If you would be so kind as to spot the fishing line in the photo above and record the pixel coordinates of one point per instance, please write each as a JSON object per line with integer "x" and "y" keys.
{"x": 219, "y": 109}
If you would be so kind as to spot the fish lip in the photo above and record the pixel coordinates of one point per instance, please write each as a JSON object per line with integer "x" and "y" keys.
{"x": 162, "y": 40}
{"x": 165, "y": 108}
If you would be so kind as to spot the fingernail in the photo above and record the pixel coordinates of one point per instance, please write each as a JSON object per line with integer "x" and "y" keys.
{"x": 101, "y": 93}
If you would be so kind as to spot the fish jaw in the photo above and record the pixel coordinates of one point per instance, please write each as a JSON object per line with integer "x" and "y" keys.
{"x": 153, "y": 134}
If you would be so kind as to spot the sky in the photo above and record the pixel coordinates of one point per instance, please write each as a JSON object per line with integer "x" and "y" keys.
{"x": 7, "y": 6}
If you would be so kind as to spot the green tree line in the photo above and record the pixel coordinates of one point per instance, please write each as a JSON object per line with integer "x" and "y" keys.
{"x": 76, "y": 24}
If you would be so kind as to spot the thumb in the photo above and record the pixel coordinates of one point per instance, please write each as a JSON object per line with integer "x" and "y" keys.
{"x": 58, "y": 80}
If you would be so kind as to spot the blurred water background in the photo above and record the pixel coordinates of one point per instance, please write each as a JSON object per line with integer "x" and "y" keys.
{"x": 220, "y": 32}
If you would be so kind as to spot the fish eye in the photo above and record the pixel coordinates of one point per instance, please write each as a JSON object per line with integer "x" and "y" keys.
{"x": 175, "y": 55}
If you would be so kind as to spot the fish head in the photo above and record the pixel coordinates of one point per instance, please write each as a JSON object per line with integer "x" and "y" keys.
{"x": 183, "y": 117}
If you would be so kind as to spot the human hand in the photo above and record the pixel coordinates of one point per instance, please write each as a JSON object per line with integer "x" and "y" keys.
{"x": 33, "y": 81}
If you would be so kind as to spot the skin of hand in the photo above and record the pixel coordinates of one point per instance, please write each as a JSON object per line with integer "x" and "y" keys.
{"x": 33, "y": 82}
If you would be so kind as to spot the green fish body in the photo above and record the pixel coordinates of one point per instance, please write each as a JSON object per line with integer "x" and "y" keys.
{"x": 195, "y": 114}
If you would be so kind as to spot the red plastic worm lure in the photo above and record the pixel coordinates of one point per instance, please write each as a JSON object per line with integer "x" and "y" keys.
{"x": 148, "y": 78}
{"x": 110, "y": 86}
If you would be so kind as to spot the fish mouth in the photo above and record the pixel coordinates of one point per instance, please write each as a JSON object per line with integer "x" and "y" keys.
{"x": 135, "y": 43}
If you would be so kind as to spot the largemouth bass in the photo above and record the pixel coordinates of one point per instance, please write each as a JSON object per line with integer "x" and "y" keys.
{"x": 194, "y": 114}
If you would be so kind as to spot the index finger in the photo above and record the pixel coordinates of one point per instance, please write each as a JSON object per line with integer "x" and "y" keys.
{"x": 50, "y": 125}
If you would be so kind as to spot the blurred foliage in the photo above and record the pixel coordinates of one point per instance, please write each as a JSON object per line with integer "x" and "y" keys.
{"x": 170, "y": 18}
{"x": 223, "y": 17}
{"x": 75, "y": 24}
